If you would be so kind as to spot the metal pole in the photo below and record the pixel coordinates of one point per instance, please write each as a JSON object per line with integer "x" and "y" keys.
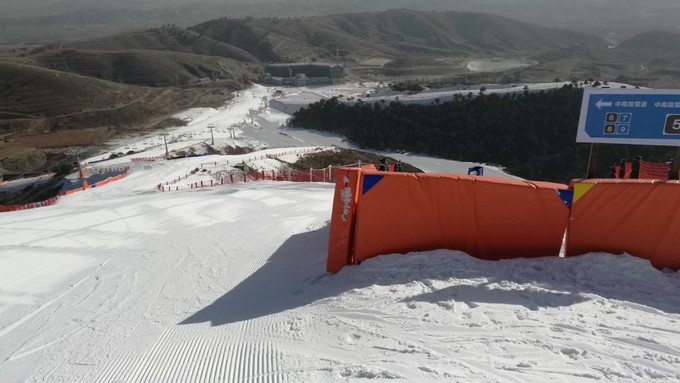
{"x": 81, "y": 173}
{"x": 592, "y": 160}
{"x": 211, "y": 134}
{"x": 167, "y": 154}
{"x": 675, "y": 165}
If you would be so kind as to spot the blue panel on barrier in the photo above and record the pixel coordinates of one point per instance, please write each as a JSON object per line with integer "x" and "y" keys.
{"x": 370, "y": 180}
{"x": 566, "y": 196}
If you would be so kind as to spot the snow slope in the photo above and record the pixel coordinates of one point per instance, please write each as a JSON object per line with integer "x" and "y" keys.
{"x": 227, "y": 284}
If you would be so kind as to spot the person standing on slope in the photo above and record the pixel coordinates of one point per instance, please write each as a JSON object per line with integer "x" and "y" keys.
{"x": 383, "y": 165}
{"x": 397, "y": 166}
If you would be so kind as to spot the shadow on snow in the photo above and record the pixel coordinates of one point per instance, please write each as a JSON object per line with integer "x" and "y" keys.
{"x": 294, "y": 276}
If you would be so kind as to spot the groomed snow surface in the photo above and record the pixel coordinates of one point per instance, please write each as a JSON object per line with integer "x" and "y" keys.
{"x": 124, "y": 283}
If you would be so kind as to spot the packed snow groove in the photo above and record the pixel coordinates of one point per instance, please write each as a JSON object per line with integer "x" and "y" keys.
{"x": 198, "y": 359}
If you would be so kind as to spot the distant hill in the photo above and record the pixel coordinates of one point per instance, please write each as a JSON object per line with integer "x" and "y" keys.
{"x": 77, "y": 21}
{"x": 36, "y": 94}
{"x": 655, "y": 53}
{"x": 56, "y": 20}
{"x": 658, "y": 43}
{"x": 165, "y": 38}
{"x": 38, "y": 100}
{"x": 391, "y": 33}
{"x": 167, "y": 56}
{"x": 95, "y": 75}
{"x": 44, "y": 111}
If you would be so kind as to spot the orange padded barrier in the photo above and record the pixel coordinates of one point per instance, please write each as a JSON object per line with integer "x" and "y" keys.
{"x": 639, "y": 217}
{"x": 489, "y": 218}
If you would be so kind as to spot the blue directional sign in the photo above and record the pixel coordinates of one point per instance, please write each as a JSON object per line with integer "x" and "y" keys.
{"x": 630, "y": 116}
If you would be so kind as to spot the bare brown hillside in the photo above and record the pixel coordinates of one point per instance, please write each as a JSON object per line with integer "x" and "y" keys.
{"x": 82, "y": 93}
{"x": 158, "y": 57}
{"x": 49, "y": 100}
{"x": 165, "y": 38}
{"x": 45, "y": 111}
{"x": 149, "y": 67}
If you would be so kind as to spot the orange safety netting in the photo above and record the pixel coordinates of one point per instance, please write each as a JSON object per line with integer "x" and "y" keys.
{"x": 648, "y": 170}
{"x": 654, "y": 171}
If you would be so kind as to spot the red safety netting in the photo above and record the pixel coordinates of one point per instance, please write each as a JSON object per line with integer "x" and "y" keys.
{"x": 33, "y": 205}
{"x": 654, "y": 171}
{"x": 312, "y": 175}
{"x": 648, "y": 170}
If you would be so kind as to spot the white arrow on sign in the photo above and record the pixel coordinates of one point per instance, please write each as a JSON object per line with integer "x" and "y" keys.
{"x": 600, "y": 104}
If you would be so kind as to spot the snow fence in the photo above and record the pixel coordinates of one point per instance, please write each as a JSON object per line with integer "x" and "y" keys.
{"x": 95, "y": 180}
{"x": 32, "y": 205}
{"x": 70, "y": 187}
{"x": 311, "y": 175}
{"x": 491, "y": 218}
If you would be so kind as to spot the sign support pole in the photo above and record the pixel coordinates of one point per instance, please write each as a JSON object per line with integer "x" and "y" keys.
{"x": 675, "y": 165}
{"x": 592, "y": 160}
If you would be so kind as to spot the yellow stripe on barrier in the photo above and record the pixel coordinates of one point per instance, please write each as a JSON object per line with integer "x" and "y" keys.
{"x": 580, "y": 189}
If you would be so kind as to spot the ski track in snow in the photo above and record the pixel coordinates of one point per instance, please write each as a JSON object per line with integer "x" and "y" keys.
{"x": 228, "y": 284}
{"x": 146, "y": 279}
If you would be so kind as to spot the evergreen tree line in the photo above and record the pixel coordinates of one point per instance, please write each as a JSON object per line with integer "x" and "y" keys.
{"x": 530, "y": 134}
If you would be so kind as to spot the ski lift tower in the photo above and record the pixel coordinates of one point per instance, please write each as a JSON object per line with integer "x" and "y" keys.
{"x": 81, "y": 171}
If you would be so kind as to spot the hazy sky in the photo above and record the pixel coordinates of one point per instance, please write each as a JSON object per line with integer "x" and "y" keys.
{"x": 49, "y": 6}
{"x": 57, "y": 6}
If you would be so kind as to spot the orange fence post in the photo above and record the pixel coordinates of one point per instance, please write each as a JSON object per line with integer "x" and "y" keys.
{"x": 345, "y": 201}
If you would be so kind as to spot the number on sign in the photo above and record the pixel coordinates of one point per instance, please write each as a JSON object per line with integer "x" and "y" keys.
{"x": 672, "y": 125}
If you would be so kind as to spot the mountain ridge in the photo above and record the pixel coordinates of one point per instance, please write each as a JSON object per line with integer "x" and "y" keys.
{"x": 183, "y": 67}
{"x": 393, "y": 32}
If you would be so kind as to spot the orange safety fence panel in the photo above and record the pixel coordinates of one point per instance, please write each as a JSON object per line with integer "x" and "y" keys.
{"x": 342, "y": 219}
{"x": 638, "y": 217}
{"x": 489, "y": 218}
